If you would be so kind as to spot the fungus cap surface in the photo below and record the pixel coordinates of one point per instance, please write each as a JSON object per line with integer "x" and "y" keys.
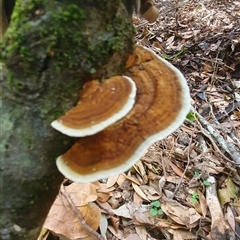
{"x": 101, "y": 104}
{"x": 162, "y": 103}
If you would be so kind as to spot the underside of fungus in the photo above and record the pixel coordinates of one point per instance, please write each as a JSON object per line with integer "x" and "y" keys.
{"x": 161, "y": 105}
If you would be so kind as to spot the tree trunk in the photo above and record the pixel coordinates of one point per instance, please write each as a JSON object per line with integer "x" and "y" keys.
{"x": 49, "y": 50}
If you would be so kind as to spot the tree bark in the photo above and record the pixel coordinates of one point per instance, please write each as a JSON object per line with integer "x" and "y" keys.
{"x": 49, "y": 50}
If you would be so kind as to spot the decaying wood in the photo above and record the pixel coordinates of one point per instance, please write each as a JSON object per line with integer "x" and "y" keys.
{"x": 228, "y": 147}
{"x": 218, "y": 227}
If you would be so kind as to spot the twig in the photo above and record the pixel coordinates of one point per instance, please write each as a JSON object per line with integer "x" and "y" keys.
{"x": 78, "y": 213}
{"x": 185, "y": 170}
{"x": 204, "y": 132}
{"x": 227, "y": 147}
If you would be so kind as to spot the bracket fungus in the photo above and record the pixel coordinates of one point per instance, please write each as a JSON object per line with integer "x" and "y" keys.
{"x": 147, "y": 10}
{"x": 100, "y": 105}
{"x": 161, "y": 105}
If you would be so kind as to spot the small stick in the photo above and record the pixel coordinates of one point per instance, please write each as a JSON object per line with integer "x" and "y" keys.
{"x": 78, "y": 213}
{"x": 185, "y": 170}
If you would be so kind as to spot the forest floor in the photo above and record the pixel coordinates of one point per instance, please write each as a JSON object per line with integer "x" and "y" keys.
{"x": 187, "y": 185}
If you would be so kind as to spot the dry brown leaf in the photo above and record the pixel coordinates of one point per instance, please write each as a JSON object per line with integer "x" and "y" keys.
{"x": 82, "y": 193}
{"x": 63, "y": 221}
{"x": 138, "y": 166}
{"x": 237, "y": 219}
{"x": 127, "y": 210}
{"x": 231, "y": 124}
{"x": 203, "y": 203}
{"x": 112, "y": 180}
{"x": 142, "y": 218}
{"x": 103, "y": 225}
{"x": 161, "y": 184}
{"x": 114, "y": 202}
{"x": 187, "y": 35}
{"x": 152, "y": 176}
{"x": 224, "y": 196}
{"x": 121, "y": 179}
{"x": 150, "y": 192}
{"x": 214, "y": 169}
{"x": 104, "y": 189}
{"x": 142, "y": 232}
{"x": 158, "y": 45}
{"x": 103, "y": 197}
{"x": 180, "y": 214}
{"x": 162, "y": 223}
{"x": 170, "y": 40}
{"x": 180, "y": 234}
{"x": 139, "y": 191}
{"x": 153, "y": 198}
{"x": 115, "y": 223}
{"x": 145, "y": 32}
{"x": 133, "y": 236}
{"x": 135, "y": 20}
{"x": 230, "y": 218}
{"x": 237, "y": 206}
{"x": 195, "y": 204}
{"x": 118, "y": 234}
{"x": 133, "y": 179}
{"x": 174, "y": 179}
{"x": 105, "y": 207}
{"x": 207, "y": 67}
{"x": 176, "y": 169}
{"x": 137, "y": 199}
{"x": 96, "y": 184}
{"x": 90, "y": 237}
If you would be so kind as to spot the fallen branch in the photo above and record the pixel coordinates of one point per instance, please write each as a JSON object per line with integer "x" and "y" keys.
{"x": 228, "y": 147}
{"x": 218, "y": 227}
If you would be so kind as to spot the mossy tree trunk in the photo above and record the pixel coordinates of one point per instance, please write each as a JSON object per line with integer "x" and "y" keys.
{"x": 48, "y": 51}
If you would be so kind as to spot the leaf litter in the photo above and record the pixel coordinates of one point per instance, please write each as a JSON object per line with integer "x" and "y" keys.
{"x": 194, "y": 172}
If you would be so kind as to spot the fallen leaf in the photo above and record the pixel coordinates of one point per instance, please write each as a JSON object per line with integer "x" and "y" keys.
{"x": 104, "y": 189}
{"x": 103, "y": 225}
{"x": 230, "y": 218}
{"x": 176, "y": 169}
{"x": 103, "y": 197}
{"x": 63, "y": 221}
{"x": 126, "y": 210}
{"x": 142, "y": 232}
{"x": 142, "y": 218}
{"x": 132, "y": 237}
{"x": 112, "y": 180}
{"x": 139, "y": 191}
{"x": 137, "y": 199}
{"x": 180, "y": 214}
{"x": 118, "y": 234}
{"x": 82, "y": 193}
{"x": 180, "y": 234}
{"x": 115, "y": 223}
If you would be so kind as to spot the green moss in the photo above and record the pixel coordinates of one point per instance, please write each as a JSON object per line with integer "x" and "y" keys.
{"x": 69, "y": 40}
{"x": 52, "y": 111}
{"x": 39, "y": 29}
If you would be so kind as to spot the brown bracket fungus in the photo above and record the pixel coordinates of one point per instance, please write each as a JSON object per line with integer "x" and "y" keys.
{"x": 100, "y": 105}
{"x": 161, "y": 105}
{"x": 147, "y": 10}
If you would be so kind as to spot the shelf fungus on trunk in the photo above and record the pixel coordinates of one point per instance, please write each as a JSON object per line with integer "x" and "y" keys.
{"x": 101, "y": 104}
{"x": 161, "y": 105}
